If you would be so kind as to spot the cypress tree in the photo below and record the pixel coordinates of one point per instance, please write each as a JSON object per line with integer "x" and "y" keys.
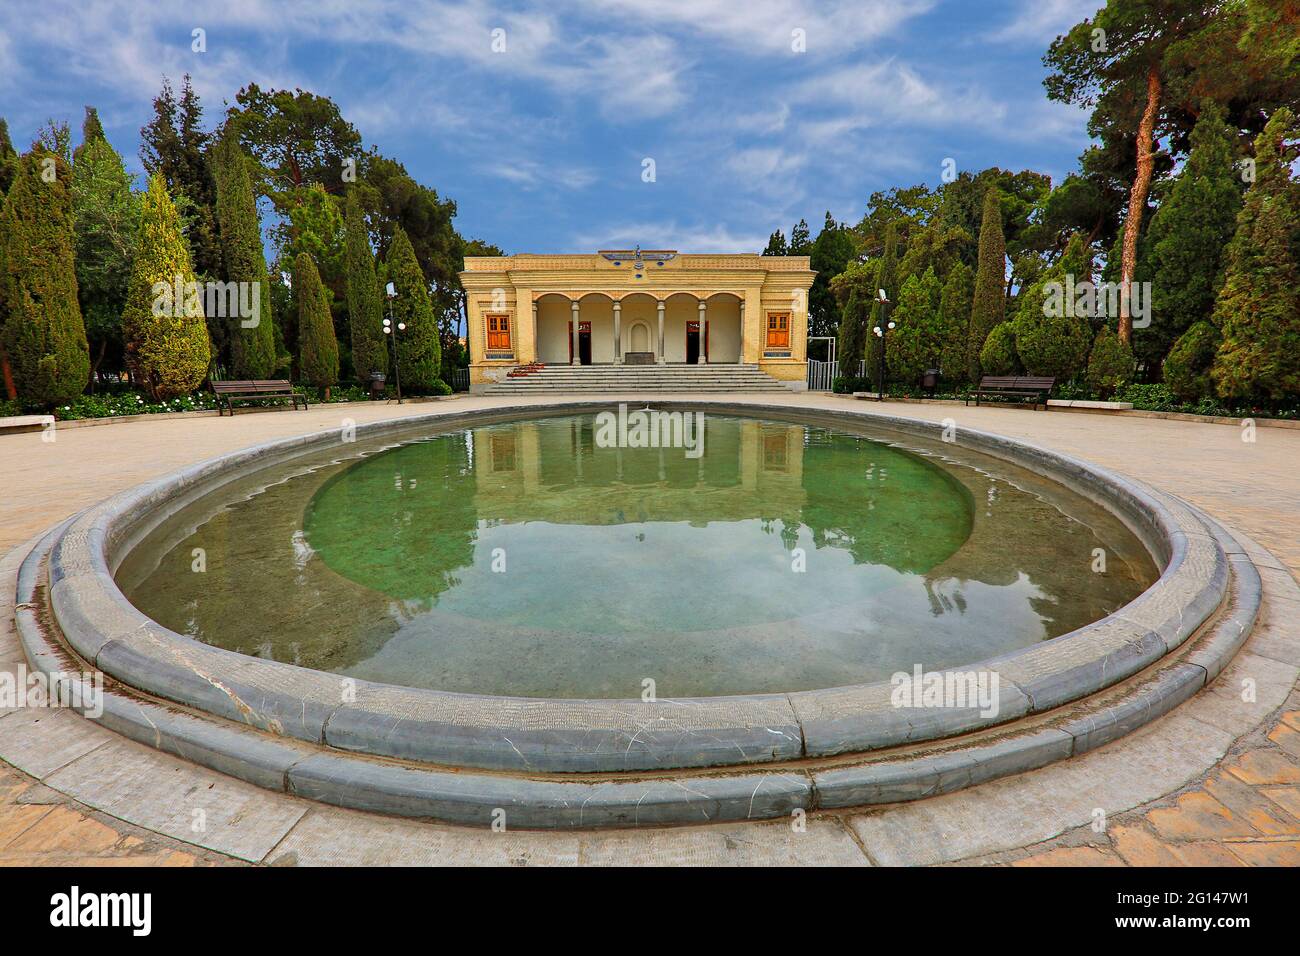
{"x": 1186, "y": 368}
{"x": 106, "y": 217}
{"x": 1258, "y": 309}
{"x": 365, "y": 307}
{"x": 252, "y": 337}
{"x": 166, "y": 336}
{"x": 988, "y": 307}
{"x": 43, "y": 340}
{"x": 318, "y": 349}
{"x": 1188, "y": 237}
{"x": 954, "y": 320}
{"x": 998, "y": 356}
{"x": 887, "y": 279}
{"x": 418, "y": 346}
{"x": 1050, "y": 341}
{"x": 916, "y": 343}
{"x": 1110, "y": 364}
{"x": 8, "y": 159}
{"x": 850, "y": 341}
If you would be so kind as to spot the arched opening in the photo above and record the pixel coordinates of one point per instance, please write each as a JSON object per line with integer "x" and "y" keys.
{"x": 595, "y": 329}
{"x": 683, "y": 339}
{"x": 553, "y": 315}
{"x": 724, "y": 328}
{"x": 639, "y": 309}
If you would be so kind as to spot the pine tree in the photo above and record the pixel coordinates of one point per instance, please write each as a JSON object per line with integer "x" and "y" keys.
{"x": 251, "y": 337}
{"x": 106, "y": 217}
{"x": 988, "y": 308}
{"x": 43, "y": 339}
{"x": 1258, "y": 308}
{"x": 92, "y": 130}
{"x": 173, "y": 143}
{"x": 418, "y": 348}
{"x": 167, "y": 348}
{"x": 365, "y": 308}
{"x": 800, "y": 239}
{"x": 954, "y": 323}
{"x": 776, "y": 245}
{"x": 318, "y": 349}
{"x": 1188, "y": 237}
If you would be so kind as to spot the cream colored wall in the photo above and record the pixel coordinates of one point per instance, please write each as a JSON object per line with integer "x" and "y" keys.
{"x": 553, "y": 330}
{"x": 724, "y": 329}
{"x": 640, "y": 308}
{"x": 599, "y": 311}
{"x": 635, "y": 342}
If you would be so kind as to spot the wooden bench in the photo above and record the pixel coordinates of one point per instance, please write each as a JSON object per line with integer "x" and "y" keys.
{"x": 1034, "y": 388}
{"x": 228, "y": 393}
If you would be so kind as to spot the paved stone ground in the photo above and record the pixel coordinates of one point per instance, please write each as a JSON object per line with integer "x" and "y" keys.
{"x": 1244, "y": 811}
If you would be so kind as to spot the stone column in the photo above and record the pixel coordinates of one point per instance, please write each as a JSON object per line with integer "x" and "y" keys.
{"x": 742, "y": 329}
{"x": 661, "y": 331}
{"x": 577, "y": 359}
{"x": 534, "y": 357}
{"x": 704, "y": 334}
{"x": 618, "y": 343}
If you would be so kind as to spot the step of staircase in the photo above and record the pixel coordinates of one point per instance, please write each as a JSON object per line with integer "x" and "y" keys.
{"x": 667, "y": 378}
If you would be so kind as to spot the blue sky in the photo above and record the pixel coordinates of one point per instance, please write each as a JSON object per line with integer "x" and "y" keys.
{"x": 543, "y": 144}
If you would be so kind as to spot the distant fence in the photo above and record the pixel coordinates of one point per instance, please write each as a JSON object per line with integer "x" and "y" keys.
{"x": 822, "y": 375}
{"x": 459, "y": 380}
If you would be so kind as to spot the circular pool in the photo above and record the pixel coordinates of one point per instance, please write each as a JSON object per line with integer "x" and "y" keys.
{"x": 574, "y": 556}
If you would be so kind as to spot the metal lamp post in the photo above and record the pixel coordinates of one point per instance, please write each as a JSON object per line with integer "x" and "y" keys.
{"x": 880, "y": 331}
{"x": 391, "y": 291}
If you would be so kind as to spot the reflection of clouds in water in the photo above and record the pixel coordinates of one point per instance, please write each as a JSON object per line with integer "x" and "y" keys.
{"x": 302, "y": 551}
{"x": 624, "y": 565}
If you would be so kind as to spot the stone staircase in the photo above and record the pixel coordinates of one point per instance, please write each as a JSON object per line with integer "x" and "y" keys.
{"x": 638, "y": 378}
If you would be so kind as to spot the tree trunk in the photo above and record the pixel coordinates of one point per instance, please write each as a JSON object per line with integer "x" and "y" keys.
{"x": 1137, "y": 199}
{"x": 11, "y": 393}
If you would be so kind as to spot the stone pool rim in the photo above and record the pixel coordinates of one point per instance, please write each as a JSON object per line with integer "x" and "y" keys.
{"x": 536, "y": 735}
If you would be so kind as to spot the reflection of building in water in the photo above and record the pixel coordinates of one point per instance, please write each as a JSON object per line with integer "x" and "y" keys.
{"x": 556, "y": 471}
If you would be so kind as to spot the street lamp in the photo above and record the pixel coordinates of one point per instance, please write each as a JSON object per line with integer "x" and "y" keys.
{"x": 390, "y": 291}
{"x": 880, "y": 332}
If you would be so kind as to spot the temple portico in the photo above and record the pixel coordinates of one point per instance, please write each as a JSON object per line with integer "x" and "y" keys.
{"x": 637, "y": 308}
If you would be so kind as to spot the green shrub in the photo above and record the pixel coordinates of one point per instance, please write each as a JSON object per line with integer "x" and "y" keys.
{"x": 1187, "y": 367}
{"x": 998, "y": 356}
{"x": 1110, "y": 364}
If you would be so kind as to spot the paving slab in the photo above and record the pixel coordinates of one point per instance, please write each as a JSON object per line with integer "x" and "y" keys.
{"x": 1248, "y": 690}
{"x": 179, "y": 799}
{"x": 330, "y": 837}
{"x": 1036, "y": 806}
{"x": 40, "y": 740}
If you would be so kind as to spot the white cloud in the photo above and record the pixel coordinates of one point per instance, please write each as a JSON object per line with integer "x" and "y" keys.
{"x": 669, "y": 234}
{"x": 1041, "y": 21}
